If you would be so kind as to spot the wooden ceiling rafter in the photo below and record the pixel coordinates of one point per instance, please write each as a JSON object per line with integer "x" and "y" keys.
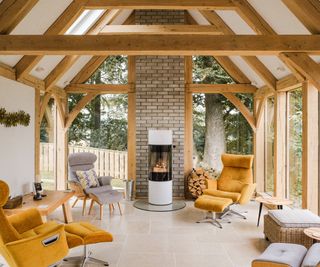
{"x": 302, "y": 66}
{"x": 242, "y": 45}
{"x": 89, "y": 69}
{"x": 306, "y": 66}
{"x": 260, "y": 27}
{"x": 221, "y": 88}
{"x": 225, "y": 62}
{"x": 233, "y": 70}
{"x": 67, "y": 62}
{"x": 260, "y": 69}
{"x": 60, "y": 26}
{"x": 99, "y": 89}
{"x": 12, "y": 12}
{"x": 160, "y": 29}
{"x": 307, "y": 13}
{"x": 167, "y": 4}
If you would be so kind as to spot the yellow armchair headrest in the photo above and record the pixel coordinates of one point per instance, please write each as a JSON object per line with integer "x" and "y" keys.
{"x": 4, "y": 193}
{"x": 237, "y": 161}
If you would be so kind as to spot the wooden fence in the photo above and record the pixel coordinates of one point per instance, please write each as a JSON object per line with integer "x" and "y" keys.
{"x": 109, "y": 162}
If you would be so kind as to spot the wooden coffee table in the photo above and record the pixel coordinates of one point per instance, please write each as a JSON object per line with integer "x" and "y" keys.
{"x": 276, "y": 201}
{"x": 47, "y": 205}
{"x": 313, "y": 232}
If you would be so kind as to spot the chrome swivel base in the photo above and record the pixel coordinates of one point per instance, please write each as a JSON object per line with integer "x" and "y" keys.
{"x": 211, "y": 218}
{"x": 229, "y": 211}
{"x": 81, "y": 261}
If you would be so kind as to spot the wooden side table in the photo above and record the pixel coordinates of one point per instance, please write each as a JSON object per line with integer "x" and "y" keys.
{"x": 47, "y": 205}
{"x": 279, "y": 202}
{"x": 313, "y": 232}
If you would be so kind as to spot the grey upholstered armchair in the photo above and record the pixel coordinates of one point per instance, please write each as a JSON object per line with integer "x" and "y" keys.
{"x": 84, "y": 161}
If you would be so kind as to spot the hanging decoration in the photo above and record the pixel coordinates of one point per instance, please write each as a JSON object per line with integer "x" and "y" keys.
{"x": 13, "y": 119}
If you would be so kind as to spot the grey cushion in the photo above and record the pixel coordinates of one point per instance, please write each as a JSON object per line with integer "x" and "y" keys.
{"x": 290, "y": 254}
{"x": 98, "y": 189}
{"x": 82, "y": 161}
{"x": 313, "y": 256}
{"x": 111, "y": 196}
{"x": 295, "y": 218}
{"x": 105, "y": 180}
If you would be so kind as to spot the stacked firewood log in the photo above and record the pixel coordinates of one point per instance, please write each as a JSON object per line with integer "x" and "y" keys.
{"x": 197, "y": 181}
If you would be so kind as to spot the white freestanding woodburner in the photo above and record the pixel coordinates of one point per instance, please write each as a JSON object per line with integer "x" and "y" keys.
{"x": 160, "y": 167}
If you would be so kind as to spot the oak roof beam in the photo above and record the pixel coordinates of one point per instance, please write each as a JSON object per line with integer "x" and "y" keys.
{"x": 306, "y": 66}
{"x": 166, "y": 4}
{"x": 12, "y": 12}
{"x": 60, "y": 26}
{"x": 160, "y": 29}
{"x": 246, "y": 45}
{"x": 221, "y": 88}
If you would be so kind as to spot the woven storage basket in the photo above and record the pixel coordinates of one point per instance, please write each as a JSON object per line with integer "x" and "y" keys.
{"x": 276, "y": 233}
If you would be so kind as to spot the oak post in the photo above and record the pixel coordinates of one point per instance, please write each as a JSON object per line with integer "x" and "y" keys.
{"x": 310, "y": 142}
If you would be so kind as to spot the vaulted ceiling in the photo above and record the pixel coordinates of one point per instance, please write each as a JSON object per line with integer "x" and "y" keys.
{"x": 238, "y": 17}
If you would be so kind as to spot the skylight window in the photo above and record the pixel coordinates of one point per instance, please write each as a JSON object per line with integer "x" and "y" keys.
{"x": 84, "y": 22}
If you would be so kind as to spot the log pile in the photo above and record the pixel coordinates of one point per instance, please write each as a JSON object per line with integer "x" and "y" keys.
{"x": 197, "y": 181}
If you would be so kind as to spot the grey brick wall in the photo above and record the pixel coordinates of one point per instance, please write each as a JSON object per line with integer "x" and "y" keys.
{"x": 160, "y": 102}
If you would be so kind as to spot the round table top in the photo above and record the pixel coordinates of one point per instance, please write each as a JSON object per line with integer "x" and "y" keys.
{"x": 313, "y": 232}
{"x": 274, "y": 200}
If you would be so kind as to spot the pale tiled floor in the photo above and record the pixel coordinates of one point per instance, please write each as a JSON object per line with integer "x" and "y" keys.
{"x": 173, "y": 239}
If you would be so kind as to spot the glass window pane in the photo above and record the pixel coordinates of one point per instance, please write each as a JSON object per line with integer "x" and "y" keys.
{"x": 48, "y": 147}
{"x": 295, "y": 146}
{"x": 269, "y": 146}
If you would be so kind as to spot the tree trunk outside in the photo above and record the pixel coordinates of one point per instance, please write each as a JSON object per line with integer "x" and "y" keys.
{"x": 215, "y": 132}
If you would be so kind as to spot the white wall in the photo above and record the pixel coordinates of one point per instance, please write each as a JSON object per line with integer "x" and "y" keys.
{"x": 17, "y": 143}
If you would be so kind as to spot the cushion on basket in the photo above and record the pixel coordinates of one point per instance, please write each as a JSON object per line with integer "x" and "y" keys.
{"x": 282, "y": 253}
{"x": 294, "y": 218}
{"x": 313, "y": 256}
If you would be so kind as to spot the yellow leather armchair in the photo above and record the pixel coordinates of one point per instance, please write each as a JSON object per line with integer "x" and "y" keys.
{"x": 26, "y": 241}
{"x": 235, "y": 182}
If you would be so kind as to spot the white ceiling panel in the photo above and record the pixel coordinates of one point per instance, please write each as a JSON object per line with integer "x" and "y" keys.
{"x": 85, "y": 21}
{"x": 197, "y": 16}
{"x": 235, "y": 22}
{"x": 275, "y": 65}
{"x": 278, "y": 16}
{"x": 316, "y": 58}
{"x": 45, "y": 66}
{"x": 10, "y": 60}
{"x": 121, "y": 18}
{"x": 245, "y": 68}
{"x": 41, "y": 17}
{"x": 73, "y": 71}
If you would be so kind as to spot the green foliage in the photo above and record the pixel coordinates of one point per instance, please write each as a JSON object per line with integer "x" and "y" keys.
{"x": 295, "y": 146}
{"x": 13, "y": 119}
{"x": 103, "y": 122}
{"x": 114, "y": 70}
{"x": 238, "y": 132}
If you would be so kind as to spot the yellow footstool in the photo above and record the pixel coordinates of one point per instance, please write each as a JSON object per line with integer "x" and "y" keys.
{"x": 212, "y": 205}
{"x": 89, "y": 234}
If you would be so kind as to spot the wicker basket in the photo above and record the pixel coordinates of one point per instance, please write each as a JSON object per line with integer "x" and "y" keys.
{"x": 276, "y": 233}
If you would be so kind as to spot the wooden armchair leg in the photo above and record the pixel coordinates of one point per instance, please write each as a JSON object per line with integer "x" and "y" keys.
{"x": 75, "y": 202}
{"x": 84, "y": 206}
{"x": 101, "y": 211}
{"x": 91, "y": 206}
{"x": 120, "y": 208}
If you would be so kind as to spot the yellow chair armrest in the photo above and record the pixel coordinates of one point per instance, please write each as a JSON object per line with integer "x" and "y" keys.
{"x": 246, "y": 193}
{"x": 26, "y": 220}
{"x": 211, "y": 184}
{"x": 41, "y": 250}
